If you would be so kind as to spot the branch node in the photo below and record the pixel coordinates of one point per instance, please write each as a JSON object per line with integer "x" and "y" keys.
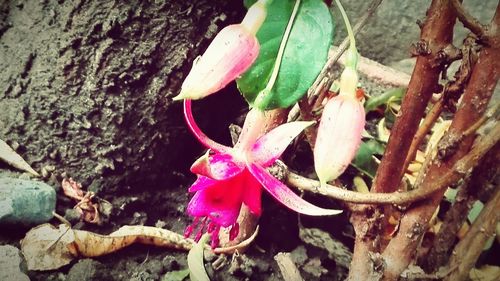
{"x": 420, "y": 48}
{"x": 448, "y": 54}
{"x": 416, "y": 231}
{"x": 420, "y": 23}
{"x": 378, "y": 264}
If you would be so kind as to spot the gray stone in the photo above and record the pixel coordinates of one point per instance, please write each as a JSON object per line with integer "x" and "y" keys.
{"x": 87, "y": 270}
{"x": 25, "y": 201}
{"x": 388, "y": 36}
{"x": 72, "y": 215}
{"x": 9, "y": 264}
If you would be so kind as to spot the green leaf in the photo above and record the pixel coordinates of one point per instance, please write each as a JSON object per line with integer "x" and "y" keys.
{"x": 248, "y": 3}
{"x": 450, "y": 195}
{"x": 390, "y": 117}
{"x": 304, "y": 56}
{"x": 177, "y": 275}
{"x": 489, "y": 243}
{"x": 392, "y": 95}
{"x": 474, "y": 212}
{"x": 363, "y": 161}
{"x": 477, "y": 207}
{"x": 195, "y": 261}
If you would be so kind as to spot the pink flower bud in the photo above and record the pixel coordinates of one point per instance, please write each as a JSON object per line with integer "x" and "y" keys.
{"x": 339, "y": 136}
{"x": 231, "y": 53}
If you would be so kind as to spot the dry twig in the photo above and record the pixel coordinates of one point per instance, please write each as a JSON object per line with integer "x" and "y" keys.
{"x": 454, "y": 174}
{"x": 379, "y": 73}
{"x": 468, "y": 20}
{"x": 467, "y": 251}
{"x": 478, "y": 185}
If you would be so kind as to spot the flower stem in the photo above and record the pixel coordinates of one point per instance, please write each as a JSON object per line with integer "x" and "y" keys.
{"x": 350, "y": 33}
{"x": 204, "y": 139}
{"x": 252, "y": 129}
{"x": 349, "y": 78}
{"x": 263, "y": 97}
{"x": 325, "y": 77}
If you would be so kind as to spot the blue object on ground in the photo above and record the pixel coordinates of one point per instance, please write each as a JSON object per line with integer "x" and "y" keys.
{"x": 26, "y": 202}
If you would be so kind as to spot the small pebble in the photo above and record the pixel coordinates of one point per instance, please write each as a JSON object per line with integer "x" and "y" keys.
{"x": 87, "y": 270}
{"x": 10, "y": 260}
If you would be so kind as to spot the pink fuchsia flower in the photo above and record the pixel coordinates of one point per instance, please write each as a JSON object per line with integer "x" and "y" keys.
{"x": 231, "y": 176}
{"x": 341, "y": 126}
{"x": 232, "y": 52}
{"x": 339, "y": 136}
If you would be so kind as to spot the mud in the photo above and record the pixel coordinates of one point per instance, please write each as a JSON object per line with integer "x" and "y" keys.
{"x": 85, "y": 92}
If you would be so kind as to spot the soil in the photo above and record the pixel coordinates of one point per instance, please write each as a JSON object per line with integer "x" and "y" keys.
{"x": 85, "y": 92}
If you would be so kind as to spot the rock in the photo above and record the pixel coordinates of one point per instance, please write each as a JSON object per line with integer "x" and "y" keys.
{"x": 170, "y": 263}
{"x": 25, "y": 202}
{"x": 9, "y": 264}
{"x": 299, "y": 255}
{"x": 142, "y": 276}
{"x": 155, "y": 268}
{"x": 404, "y": 65}
{"x": 87, "y": 270}
{"x": 72, "y": 216}
{"x": 390, "y": 32}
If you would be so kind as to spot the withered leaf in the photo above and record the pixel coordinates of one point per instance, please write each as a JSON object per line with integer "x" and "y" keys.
{"x": 11, "y": 157}
{"x": 46, "y": 247}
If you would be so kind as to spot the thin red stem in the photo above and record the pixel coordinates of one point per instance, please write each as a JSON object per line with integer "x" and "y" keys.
{"x": 202, "y": 138}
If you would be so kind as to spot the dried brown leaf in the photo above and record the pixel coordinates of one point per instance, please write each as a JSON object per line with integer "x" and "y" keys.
{"x": 72, "y": 189}
{"x": 46, "y": 247}
{"x": 89, "y": 211}
{"x": 11, "y": 157}
{"x": 127, "y": 235}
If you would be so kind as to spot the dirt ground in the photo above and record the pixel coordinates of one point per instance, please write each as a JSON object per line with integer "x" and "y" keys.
{"x": 85, "y": 92}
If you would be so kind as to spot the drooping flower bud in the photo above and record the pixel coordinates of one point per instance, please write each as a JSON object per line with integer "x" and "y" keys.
{"x": 231, "y": 53}
{"x": 339, "y": 136}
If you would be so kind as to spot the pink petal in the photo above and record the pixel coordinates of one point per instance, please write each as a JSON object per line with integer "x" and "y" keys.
{"x": 252, "y": 193}
{"x": 223, "y": 166}
{"x": 254, "y": 126}
{"x": 201, "y": 166}
{"x": 269, "y": 147}
{"x": 202, "y": 183}
{"x": 204, "y": 139}
{"x": 218, "y": 200}
{"x": 218, "y": 166}
{"x": 285, "y": 196}
{"x": 209, "y": 203}
{"x": 231, "y": 53}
